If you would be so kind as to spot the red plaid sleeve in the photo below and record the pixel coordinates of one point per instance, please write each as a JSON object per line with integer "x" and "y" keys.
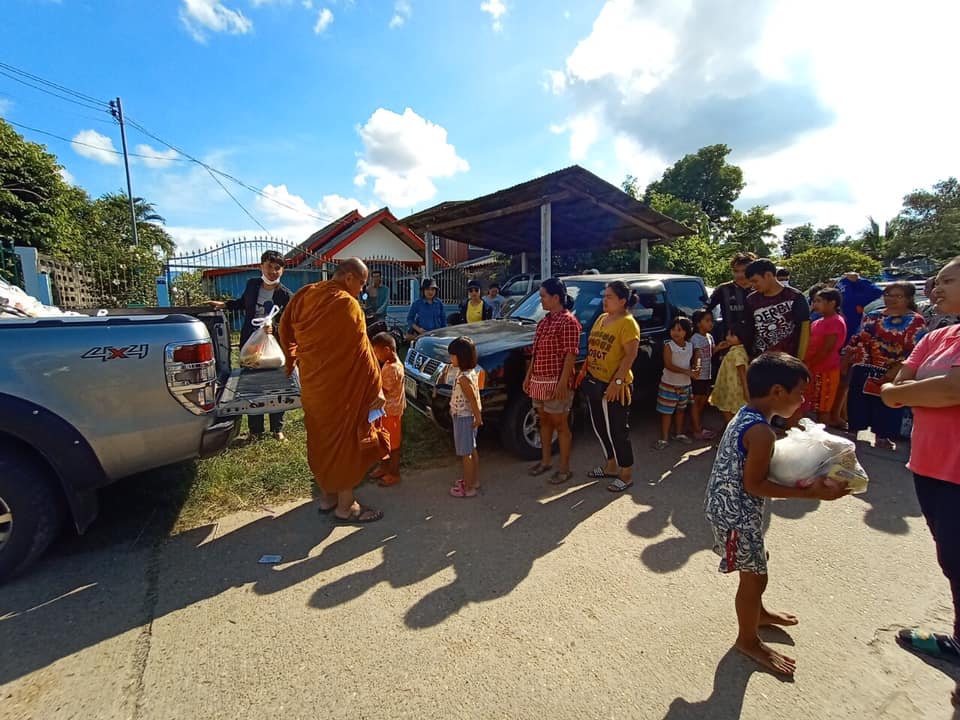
{"x": 570, "y": 337}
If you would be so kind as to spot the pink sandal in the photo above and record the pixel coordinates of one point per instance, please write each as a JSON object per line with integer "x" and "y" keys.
{"x": 460, "y": 490}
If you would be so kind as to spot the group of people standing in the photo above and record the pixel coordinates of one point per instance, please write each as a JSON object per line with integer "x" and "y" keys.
{"x": 344, "y": 385}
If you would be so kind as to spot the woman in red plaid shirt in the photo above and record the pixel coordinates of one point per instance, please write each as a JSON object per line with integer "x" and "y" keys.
{"x": 549, "y": 377}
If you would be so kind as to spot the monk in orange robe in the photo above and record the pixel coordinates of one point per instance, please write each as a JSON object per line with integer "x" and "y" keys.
{"x": 323, "y": 334}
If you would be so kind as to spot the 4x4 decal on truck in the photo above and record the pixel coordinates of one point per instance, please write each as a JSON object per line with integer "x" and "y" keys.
{"x": 108, "y": 352}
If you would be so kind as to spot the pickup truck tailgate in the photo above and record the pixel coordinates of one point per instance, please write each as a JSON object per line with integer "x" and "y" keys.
{"x": 258, "y": 392}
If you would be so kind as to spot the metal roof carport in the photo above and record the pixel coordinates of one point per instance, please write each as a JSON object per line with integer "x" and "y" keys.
{"x": 568, "y": 210}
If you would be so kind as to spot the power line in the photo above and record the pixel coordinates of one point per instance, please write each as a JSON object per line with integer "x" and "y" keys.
{"x": 95, "y": 147}
{"x": 55, "y": 86}
{"x": 88, "y": 105}
{"x": 209, "y": 168}
{"x": 239, "y": 204}
{"x": 62, "y": 92}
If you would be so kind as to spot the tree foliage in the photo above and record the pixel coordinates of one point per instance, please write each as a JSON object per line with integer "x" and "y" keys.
{"x": 39, "y": 209}
{"x": 804, "y": 237}
{"x": 705, "y": 178}
{"x": 36, "y": 205}
{"x": 929, "y": 224}
{"x": 822, "y": 263}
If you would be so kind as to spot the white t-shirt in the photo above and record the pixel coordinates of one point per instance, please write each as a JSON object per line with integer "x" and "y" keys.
{"x": 703, "y": 347}
{"x": 682, "y": 357}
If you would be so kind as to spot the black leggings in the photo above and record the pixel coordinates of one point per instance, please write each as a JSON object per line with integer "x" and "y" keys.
{"x": 940, "y": 505}
{"x": 611, "y": 422}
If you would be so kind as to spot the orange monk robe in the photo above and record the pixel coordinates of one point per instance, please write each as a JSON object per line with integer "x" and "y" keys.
{"x": 323, "y": 333}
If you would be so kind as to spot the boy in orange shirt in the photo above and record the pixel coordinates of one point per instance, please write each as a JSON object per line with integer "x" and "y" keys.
{"x": 391, "y": 375}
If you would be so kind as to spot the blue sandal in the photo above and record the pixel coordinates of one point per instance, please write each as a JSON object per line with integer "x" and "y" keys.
{"x": 935, "y": 645}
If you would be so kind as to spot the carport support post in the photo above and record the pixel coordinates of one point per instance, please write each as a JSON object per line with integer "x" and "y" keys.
{"x": 546, "y": 249}
{"x": 644, "y": 256}
{"x": 428, "y": 254}
{"x": 523, "y": 262}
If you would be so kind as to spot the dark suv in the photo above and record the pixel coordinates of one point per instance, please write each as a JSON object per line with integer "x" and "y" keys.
{"x": 504, "y": 348}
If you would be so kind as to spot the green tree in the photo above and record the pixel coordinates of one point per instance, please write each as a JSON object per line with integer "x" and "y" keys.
{"x": 875, "y": 241}
{"x": 929, "y": 224}
{"x": 188, "y": 288}
{"x": 111, "y": 220}
{"x": 37, "y": 208}
{"x": 827, "y": 236}
{"x": 821, "y": 263}
{"x": 705, "y": 178}
{"x": 750, "y": 231}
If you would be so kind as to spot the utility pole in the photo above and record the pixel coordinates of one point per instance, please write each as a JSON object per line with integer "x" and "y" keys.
{"x": 116, "y": 109}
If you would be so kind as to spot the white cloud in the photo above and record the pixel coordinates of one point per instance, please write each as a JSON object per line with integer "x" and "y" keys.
{"x": 68, "y": 178}
{"x": 5, "y": 105}
{"x": 157, "y": 158}
{"x": 282, "y": 206}
{"x": 403, "y": 153}
{"x": 584, "y": 130}
{"x": 308, "y": 4}
{"x": 324, "y": 18}
{"x": 496, "y": 9}
{"x": 401, "y": 13}
{"x": 335, "y": 206}
{"x": 200, "y": 15}
{"x": 554, "y": 81}
{"x": 810, "y": 108}
{"x": 93, "y": 145}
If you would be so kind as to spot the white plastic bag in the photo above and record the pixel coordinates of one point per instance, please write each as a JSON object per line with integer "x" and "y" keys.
{"x": 15, "y": 303}
{"x": 261, "y": 351}
{"x": 810, "y": 451}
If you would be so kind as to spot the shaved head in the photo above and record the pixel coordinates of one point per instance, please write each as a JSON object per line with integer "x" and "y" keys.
{"x": 353, "y": 274}
{"x": 352, "y": 265}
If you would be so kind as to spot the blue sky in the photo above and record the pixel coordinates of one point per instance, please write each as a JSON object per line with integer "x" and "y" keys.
{"x": 334, "y": 104}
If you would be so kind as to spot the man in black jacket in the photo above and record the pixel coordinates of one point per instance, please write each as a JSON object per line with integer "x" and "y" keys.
{"x": 732, "y": 299}
{"x": 258, "y": 299}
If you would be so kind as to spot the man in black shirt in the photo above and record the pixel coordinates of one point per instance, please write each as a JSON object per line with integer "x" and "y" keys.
{"x": 731, "y": 297}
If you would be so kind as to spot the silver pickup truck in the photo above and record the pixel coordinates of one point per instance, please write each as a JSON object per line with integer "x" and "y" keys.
{"x": 85, "y": 401}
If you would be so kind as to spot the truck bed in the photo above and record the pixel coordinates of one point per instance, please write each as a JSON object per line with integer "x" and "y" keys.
{"x": 258, "y": 392}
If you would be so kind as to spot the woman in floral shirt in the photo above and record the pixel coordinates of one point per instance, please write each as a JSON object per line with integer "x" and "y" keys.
{"x": 875, "y": 355}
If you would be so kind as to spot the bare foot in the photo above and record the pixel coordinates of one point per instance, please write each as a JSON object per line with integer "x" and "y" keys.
{"x": 768, "y": 618}
{"x": 767, "y": 656}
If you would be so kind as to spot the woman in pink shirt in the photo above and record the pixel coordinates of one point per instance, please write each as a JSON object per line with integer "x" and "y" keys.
{"x": 929, "y": 382}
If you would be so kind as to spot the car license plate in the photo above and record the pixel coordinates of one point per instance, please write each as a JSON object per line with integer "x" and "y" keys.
{"x": 410, "y": 386}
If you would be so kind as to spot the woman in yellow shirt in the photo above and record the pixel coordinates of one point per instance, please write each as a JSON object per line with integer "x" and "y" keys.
{"x": 474, "y": 308}
{"x": 612, "y": 348}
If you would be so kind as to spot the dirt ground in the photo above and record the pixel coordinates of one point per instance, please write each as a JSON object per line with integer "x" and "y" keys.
{"x": 527, "y": 602}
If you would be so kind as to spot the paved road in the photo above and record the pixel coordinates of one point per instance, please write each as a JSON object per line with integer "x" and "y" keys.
{"x": 524, "y": 603}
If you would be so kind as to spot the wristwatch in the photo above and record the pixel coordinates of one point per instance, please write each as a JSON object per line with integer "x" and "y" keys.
{"x": 618, "y": 381}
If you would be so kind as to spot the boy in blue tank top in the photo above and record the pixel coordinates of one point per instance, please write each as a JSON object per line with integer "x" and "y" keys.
{"x": 738, "y": 488}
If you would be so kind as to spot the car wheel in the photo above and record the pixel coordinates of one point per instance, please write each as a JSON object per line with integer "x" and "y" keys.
{"x": 30, "y": 514}
{"x": 520, "y": 429}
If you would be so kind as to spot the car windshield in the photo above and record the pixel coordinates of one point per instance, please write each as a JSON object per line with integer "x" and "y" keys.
{"x": 587, "y": 300}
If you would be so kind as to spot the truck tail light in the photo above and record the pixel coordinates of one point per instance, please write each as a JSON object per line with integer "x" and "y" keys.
{"x": 191, "y": 375}
{"x": 193, "y": 353}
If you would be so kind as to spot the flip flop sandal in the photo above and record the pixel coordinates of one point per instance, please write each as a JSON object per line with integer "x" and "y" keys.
{"x": 539, "y": 469}
{"x": 618, "y": 486}
{"x": 462, "y": 491}
{"x": 356, "y": 518}
{"x": 599, "y": 473}
{"x": 559, "y": 478}
{"x": 935, "y": 645}
{"x": 326, "y": 511}
{"x": 389, "y": 480}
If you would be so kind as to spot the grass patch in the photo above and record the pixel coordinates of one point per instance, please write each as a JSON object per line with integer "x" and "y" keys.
{"x": 248, "y": 476}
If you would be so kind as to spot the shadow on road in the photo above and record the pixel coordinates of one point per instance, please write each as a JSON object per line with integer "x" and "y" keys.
{"x": 729, "y": 688}
{"x": 127, "y": 574}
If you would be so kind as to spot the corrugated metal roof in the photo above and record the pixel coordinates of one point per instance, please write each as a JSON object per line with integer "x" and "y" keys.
{"x": 587, "y": 213}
